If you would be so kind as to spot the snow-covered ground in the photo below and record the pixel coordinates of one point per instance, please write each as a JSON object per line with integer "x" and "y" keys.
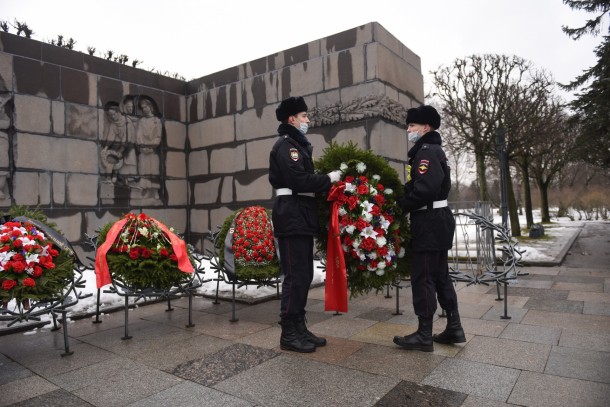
{"x": 560, "y": 232}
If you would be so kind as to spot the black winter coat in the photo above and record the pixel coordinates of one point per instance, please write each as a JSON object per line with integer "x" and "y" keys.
{"x": 291, "y": 166}
{"x": 431, "y": 229}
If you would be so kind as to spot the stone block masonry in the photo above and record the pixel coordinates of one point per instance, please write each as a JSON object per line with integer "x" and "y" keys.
{"x": 87, "y": 140}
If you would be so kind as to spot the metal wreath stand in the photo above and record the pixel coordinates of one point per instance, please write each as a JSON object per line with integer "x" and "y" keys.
{"x": 122, "y": 289}
{"x": 55, "y": 305}
{"x": 511, "y": 260}
{"x": 226, "y": 274}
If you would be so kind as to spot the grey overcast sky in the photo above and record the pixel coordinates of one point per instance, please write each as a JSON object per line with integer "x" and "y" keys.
{"x": 197, "y": 37}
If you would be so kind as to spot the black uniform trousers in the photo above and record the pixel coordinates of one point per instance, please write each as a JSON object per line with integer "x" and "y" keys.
{"x": 429, "y": 279}
{"x": 296, "y": 263}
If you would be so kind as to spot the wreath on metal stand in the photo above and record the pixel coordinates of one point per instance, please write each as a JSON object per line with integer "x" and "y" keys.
{"x": 145, "y": 259}
{"x": 244, "y": 252}
{"x": 39, "y": 271}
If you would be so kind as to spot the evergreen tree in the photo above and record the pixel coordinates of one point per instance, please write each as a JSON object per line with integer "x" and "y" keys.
{"x": 592, "y": 103}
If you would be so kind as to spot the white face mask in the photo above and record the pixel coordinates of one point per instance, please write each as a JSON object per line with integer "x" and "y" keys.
{"x": 303, "y": 128}
{"x": 414, "y": 136}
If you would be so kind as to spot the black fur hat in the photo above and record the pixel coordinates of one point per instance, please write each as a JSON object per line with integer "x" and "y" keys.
{"x": 290, "y": 107}
{"x": 424, "y": 114}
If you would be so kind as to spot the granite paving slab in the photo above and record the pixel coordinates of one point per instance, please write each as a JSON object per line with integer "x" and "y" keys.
{"x": 47, "y": 361}
{"x": 596, "y": 308}
{"x": 189, "y": 394}
{"x": 335, "y": 351}
{"x": 263, "y": 313}
{"x": 472, "y": 310}
{"x": 589, "y": 297}
{"x": 221, "y": 326}
{"x": 297, "y": 382}
{"x": 382, "y": 333}
{"x": 115, "y": 382}
{"x": 57, "y": 398}
{"x": 474, "y": 401}
{"x": 474, "y": 298}
{"x": 376, "y": 314}
{"x": 497, "y": 313}
{"x": 484, "y": 327}
{"x": 548, "y": 271}
{"x": 393, "y": 362}
{"x": 143, "y": 333}
{"x": 543, "y": 390}
{"x": 478, "y": 379}
{"x": 342, "y": 326}
{"x": 578, "y": 279}
{"x": 579, "y": 364}
{"x": 507, "y": 353}
{"x": 225, "y": 363}
{"x": 15, "y": 391}
{"x": 572, "y": 307}
{"x": 595, "y": 324}
{"x": 86, "y": 326}
{"x": 416, "y": 395}
{"x": 535, "y": 293}
{"x": 532, "y": 333}
{"x": 492, "y": 300}
{"x": 267, "y": 338}
{"x": 591, "y": 287}
{"x": 576, "y": 339}
{"x": 222, "y": 307}
{"x": 524, "y": 283}
{"x": 168, "y": 353}
{"x": 10, "y": 370}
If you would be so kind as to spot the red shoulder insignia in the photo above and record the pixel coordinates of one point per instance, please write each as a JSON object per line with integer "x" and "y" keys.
{"x": 423, "y": 166}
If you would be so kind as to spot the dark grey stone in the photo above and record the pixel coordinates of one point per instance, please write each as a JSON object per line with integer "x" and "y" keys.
{"x": 223, "y": 364}
{"x": 57, "y": 398}
{"x": 377, "y": 314}
{"x": 579, "y": 364}
{"x": 572, "y": 307}
{"x": 417, "y": 395}
{"x": 534, "y": 292}
{"x": 10, "y": 371}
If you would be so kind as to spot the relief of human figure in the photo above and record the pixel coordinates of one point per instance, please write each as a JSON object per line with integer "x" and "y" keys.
{"x": 148, "y": 139}
{"x": 114, "y": 144}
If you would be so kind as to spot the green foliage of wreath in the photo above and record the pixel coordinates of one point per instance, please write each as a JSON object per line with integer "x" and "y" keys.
{"x": 155, "y": 272}
{"x": 362, "y": 282}
{"x": 260, "y": 273}
{"x": 51, "y": 284}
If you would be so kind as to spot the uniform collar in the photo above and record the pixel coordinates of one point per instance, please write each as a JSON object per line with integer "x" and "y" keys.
{"x": 294, "y": 133}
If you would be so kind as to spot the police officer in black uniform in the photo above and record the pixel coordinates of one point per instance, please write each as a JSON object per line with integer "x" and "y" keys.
{"x": 295, "y": 219}
{"x": 432, "y": 228}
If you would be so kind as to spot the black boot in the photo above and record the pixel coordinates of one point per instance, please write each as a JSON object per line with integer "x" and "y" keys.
{"x": 291, "y": 339}
{"x": 454, "y": 333}
{"x": 420, "y": 340}
{"x": 306, "y": 333}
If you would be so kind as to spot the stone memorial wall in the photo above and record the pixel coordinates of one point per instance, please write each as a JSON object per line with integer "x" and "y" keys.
{"x": 87, "y": 140}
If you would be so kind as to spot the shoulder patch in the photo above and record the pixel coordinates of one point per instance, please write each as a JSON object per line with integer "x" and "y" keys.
{"x": 423, "y": 166}
{"x": 294, "y": 154}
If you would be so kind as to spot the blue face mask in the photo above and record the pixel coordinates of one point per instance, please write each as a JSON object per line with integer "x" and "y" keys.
{"x": 303, "y": 128}
{"x": 414, "y": 136}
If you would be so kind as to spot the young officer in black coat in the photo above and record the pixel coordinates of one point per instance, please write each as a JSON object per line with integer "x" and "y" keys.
{"x": 295, "y": 219}
{"x": 432, "y": 228}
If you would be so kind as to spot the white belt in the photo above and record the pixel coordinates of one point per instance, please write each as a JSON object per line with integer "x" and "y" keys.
{"x": 288, "y": 191}
{"x": 435, "y": 205}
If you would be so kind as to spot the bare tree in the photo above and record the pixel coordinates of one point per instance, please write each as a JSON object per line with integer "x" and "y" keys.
{"x": 474, "y": 91}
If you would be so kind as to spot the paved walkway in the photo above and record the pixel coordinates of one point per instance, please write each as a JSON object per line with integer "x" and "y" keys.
{"x": 553, "y": 351}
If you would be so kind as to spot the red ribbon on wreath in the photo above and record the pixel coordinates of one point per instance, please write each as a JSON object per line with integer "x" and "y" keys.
{"x": 335, "y": 291}
{"x": 102, "y": 273}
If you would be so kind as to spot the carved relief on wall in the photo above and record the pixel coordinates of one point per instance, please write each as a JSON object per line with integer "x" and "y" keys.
{"x": 358, "y": 109}
{"x": 6, "y": 110}
{"x": 130, "y": 146}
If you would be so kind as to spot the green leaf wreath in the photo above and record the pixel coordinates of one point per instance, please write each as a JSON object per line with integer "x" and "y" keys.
{"x": 142, "y": 255}
{"x": 253, "y": 245}
{"x": 31, "y": 265}
{"x": 374, "y": 233}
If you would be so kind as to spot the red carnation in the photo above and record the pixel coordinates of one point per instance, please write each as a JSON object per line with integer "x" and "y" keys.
{"x": 173, "y": 257}
{"x": 380, "y": 188}
{"x": 134, "y": 253}
{"x": 18, "y": 266}
{"x": 379, "y": 199}
{"x": 363, "y": 189}
{"x": 28, "y": 282}
{"x": 37, "y": 271}
{"x": 361, "y": 224}
{"x": 8, "y": 284}
{"x": 164, "y": 252}
{"x": 145, "y": 253}
{"x": 17, "y": 243}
